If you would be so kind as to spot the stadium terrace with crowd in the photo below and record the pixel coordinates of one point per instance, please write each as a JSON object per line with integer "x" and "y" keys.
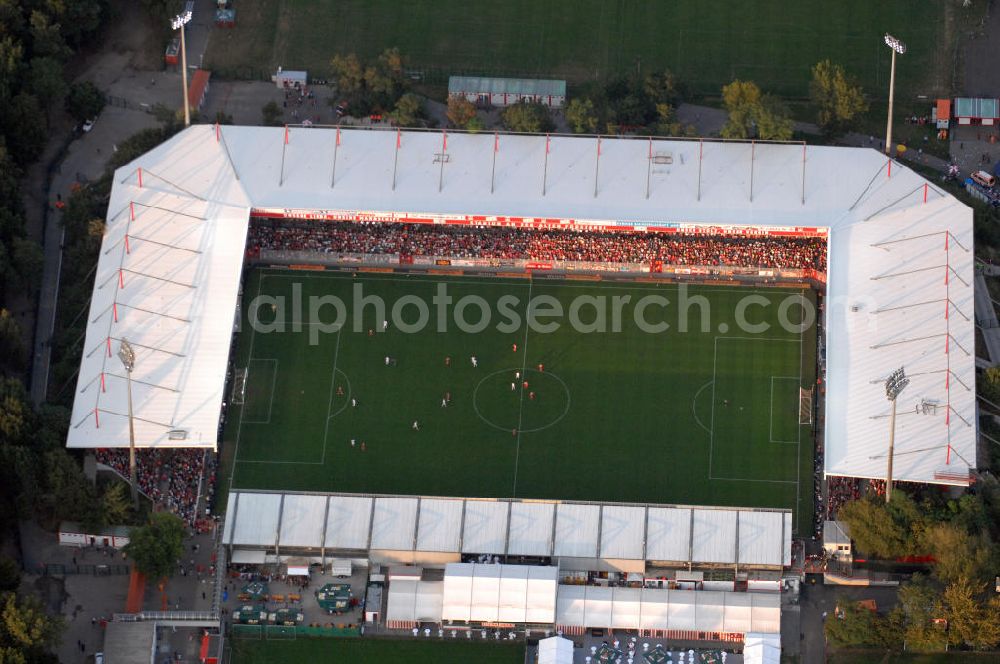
{"x": 537, "y": 244}
{"x": 174, "y": 480}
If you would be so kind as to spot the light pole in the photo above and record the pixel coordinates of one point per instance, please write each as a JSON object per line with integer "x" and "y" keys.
{"x": 127, "y": 355}
{"x": 894, "y": 385}
{"x": 897, "y": 47}
{"x": 178, "y": 22}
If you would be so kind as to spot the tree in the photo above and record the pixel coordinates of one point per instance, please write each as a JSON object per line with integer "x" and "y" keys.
{"x": 877, "y": 530}
{"x": 26, "y": 257}
{"x": 348, "y": 72}
{"x": 838, "y": 99}
{"x": 581, "y": 116}
{"x": 271, "y": 114}
{"x": 15, "y": 413}
{"x": 116, "y": 504}
{"x": 409, "y": 110}
{"x": 157, "y": 546}
{"x": 527, "y": 116}
{"x": 856, "y": 625}
{"x": 753, "y": 114}
{"x": 12, "y": 351}
{"x": 460, "y": 111}
{"x": 970, "y": 622}
{"x": 84, "y": 101}
{"x": 385, "y": 76}
{"x": 662, "y": 87}
{"x": 10, "y": 574}
{"x": 920, "y": 604}
{"x": 958, "y": 553}
{"x": 26, "y": 625}
{"x": 26, "y": 133}
{"x": 46, "y": 80}
{"x": 667, "y": 124}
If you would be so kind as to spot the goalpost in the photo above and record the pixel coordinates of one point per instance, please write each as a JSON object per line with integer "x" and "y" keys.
{"x": 805, "y": 405}
{"x": 239, "y": 387}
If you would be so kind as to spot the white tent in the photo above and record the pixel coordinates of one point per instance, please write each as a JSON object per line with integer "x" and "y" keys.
{"x": 555, "y": 650}
{"x": 500, "y": 593}
{"x": 762, "y": 648}
{"x": 412, "y": 600}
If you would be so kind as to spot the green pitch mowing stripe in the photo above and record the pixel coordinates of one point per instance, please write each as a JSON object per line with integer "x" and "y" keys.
{"x": 374, "y": 651}
{"x": 705, "y": 416}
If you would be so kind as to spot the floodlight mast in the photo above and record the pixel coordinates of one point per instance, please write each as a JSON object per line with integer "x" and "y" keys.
{"x": 127, "y": 355}
{"x": 894, "y": 385}
{"x": 900, "y": 48}
{"x": 177, "y": 23}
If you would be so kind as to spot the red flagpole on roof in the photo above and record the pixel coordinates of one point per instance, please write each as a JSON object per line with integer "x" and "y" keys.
{"x": 493, "y": 173}
{"x": 336, "y": 147}
{"x": 545, "y": 168}
{"x": 284, "y": 144}
{"x": 395, "y": 160}
{"x": 140, "y": 177}
{"x": 444, "y": 153}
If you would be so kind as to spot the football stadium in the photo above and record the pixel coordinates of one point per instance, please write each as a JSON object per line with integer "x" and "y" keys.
{"x": 527, "y": 383}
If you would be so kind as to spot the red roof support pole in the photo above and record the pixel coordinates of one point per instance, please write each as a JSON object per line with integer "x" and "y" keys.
{"x": 218, "y": 133}
{"x": 121, "y": 278}
{"x": 140, "y": 177}
{"x": 127, "y": 250}
{"x": 925, "y": 192}
{"x": 131, "y": 210}
{"x": 109, "y": 346}
{"x": 97, "y": 420}
{"x": 114, "y": 309}
{"x": 103, "y": 387}
{"x": 890, "y": 168}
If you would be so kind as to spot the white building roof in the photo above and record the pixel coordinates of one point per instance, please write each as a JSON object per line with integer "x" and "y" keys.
{"x": 485, "y": 526}
{"x": 500, "y": 593}
{"x": 394, "y": 524}
{"x": 412, "y": 600}
{"x": 623, "y": 530}
{"x": 252, "y": 519}
{"x": 893, "y": 239}
{"x": 581, "y": 530}
{"x": 661, "y": 609}
{"x": 440, "y": 525}
{"x": 762, "y": 649}
{"x": 576, "y": 530}
{"x": 348, "y": 522}
{"x": 555, "y": 650}
{"x": 530, "y": 531}
{"x": 714, "y": 536}
{"x": 302, "y": 520}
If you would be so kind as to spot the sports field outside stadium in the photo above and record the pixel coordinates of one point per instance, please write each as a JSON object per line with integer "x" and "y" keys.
{"x": 373, "y": 651}
{"x": 772, "y": 42}
{"x": 707, "y": 416}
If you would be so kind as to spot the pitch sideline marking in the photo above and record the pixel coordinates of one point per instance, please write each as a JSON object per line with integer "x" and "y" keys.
{"x": 274, "y": 381}
{"x": 771, "y": 404}
{"x": 239, "y": 424}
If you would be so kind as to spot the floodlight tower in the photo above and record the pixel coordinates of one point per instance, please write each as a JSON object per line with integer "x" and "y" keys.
{"x": 894, "y": 385}
{"x": 177, "y": 23}
{"x": 900, "y": 48}
{"x": 127, "y": 355}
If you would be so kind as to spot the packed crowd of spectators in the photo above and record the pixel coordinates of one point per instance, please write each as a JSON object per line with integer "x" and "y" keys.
{"x": 841, "y": 490}
{"x": 538, "y": 244}
{"x": 172, "y": 479}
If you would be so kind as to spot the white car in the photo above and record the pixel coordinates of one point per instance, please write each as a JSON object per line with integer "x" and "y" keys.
{"x": 87, "y": 126}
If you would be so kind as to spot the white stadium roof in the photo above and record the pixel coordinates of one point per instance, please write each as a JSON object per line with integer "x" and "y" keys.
{"x": 699, "y": 535}
{"x": 899, "y": 287}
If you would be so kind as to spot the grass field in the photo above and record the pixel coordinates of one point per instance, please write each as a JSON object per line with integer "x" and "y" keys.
{"x": 704, "y": 418}
{"x": 876, "y": 657}
{"x": 373, "y": 651}
{"x": 773, "y": 42}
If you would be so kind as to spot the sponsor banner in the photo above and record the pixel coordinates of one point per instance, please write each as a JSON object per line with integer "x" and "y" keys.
{"x": 540, "y": 222}
{"x": 443, "y": 262}
{"x": 534, "y": 265}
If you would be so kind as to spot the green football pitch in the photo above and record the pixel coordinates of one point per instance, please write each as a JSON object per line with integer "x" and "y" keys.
{"x": 706, "y": 416}
{"x": 373, "y": 651}
{"x": 772, "y": 42}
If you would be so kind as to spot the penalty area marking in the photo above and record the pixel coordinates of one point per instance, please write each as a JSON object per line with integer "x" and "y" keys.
{"x": 694, "y": 401}
{"x": 274, "y": 381}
